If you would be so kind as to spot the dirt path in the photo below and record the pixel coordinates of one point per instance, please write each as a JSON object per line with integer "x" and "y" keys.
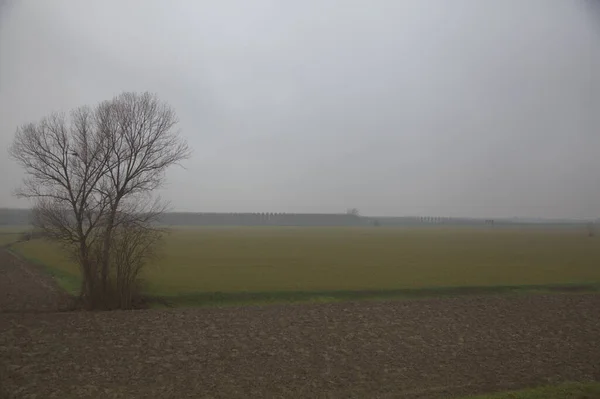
{"x": 397, "y": 349}
{"x": 24, "y": 288}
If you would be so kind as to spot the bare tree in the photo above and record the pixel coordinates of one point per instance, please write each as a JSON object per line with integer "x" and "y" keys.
{"x": 92, "y": 176}
{"x": 353, "y": 212}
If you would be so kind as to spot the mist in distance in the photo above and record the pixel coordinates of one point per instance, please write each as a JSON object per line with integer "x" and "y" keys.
{"x": 418, "y": 107}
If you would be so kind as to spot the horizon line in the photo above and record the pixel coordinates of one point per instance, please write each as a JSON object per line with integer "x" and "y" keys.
{"x": 529, "y": 218}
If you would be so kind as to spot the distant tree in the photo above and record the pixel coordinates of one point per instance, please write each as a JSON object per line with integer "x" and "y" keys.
{"x": 91, "y": 176}
{"x": 591, "y": 229}
{"x": 353, "y": 212}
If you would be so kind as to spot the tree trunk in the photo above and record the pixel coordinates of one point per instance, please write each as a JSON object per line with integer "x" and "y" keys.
{"x": 105, "y": 261}
{"x": 86, "y": 294}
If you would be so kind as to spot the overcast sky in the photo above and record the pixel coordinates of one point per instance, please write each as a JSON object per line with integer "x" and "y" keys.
{"x": 481, "y": 108}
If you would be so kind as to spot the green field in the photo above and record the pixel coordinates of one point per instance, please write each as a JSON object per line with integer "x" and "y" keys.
{"x": 10, "y": 234}
{"x": 8, "y": 238}
{"x": 278, "y": 259}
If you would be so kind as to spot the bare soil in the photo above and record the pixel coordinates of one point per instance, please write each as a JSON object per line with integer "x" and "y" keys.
{"x": 25, "y": 288}
{"x": 395, "y": 349}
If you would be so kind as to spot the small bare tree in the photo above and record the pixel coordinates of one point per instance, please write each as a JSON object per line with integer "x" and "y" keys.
{"x": 132, "y": 245}
{"x": 92, "y": 176}
{"x": 353, "y": 212}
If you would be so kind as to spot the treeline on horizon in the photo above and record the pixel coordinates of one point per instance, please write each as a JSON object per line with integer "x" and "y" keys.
{"x": 22, "y": 217}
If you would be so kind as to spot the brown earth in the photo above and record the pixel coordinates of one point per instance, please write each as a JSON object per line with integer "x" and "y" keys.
{"x": 24, "y": 288}
{"x": 395, "y": 349}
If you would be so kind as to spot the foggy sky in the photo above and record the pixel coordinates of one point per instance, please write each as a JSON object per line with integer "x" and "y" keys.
{"x": 480, "y": 108}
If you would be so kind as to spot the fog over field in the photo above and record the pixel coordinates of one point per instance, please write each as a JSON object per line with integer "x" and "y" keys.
{"x": 475, "y": 108}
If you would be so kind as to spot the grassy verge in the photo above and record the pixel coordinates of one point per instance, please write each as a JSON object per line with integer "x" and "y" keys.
{"x": 248, "y": 298}
{"x": 590, "y": 390}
